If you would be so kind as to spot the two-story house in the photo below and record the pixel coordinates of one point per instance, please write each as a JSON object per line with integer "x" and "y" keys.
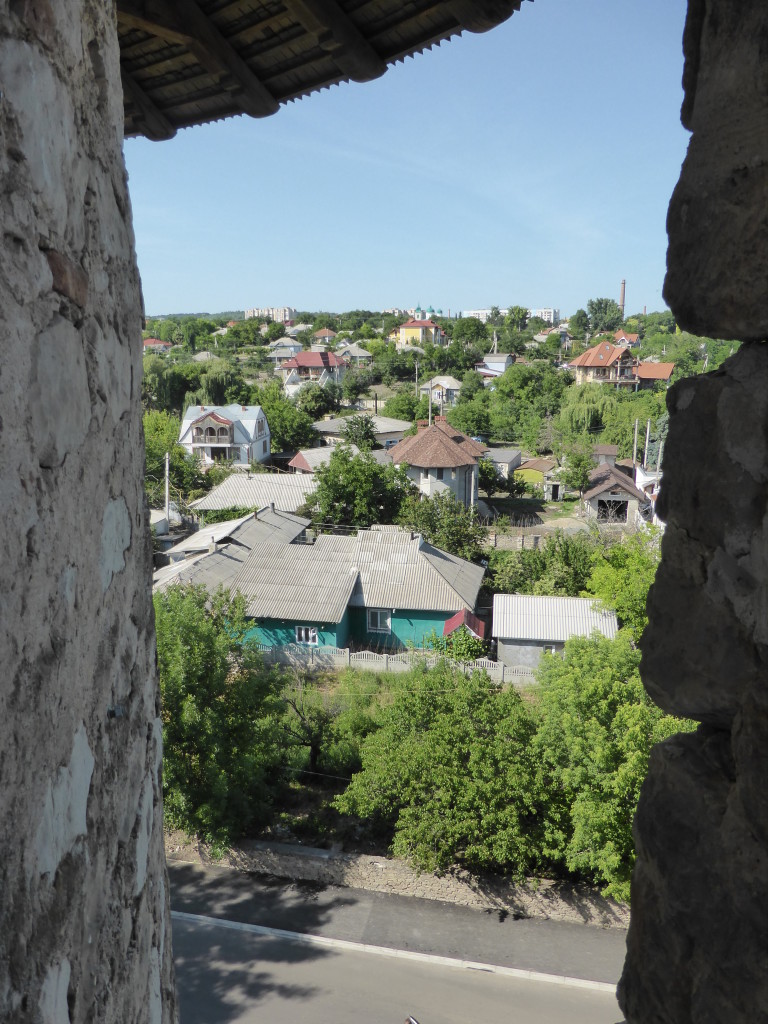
{"x": 216, "y": 433}
{"x": 440, "y": 459}
{"x": 418, "y": 331}
{"x": 321, "y": 368}
{"x": 605, "y": 363}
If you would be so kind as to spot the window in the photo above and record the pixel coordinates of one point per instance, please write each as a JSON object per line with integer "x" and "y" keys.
{"x": 306, "y": 635}
{"x": 264, "y": 447}
{"x": 379, "y": 621}
{"x": 439, "y": 474}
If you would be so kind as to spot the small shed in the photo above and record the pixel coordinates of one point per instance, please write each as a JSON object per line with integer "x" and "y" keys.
{"x": 525, "y": 625}
{"x": 612, "y": 497}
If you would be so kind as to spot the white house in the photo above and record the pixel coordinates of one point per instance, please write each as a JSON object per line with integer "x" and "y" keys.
{"x": 443, "y": 390}
{"x": 222, "y": 433}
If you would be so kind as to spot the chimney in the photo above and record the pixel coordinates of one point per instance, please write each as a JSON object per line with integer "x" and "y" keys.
{"x": 621, "y": 297}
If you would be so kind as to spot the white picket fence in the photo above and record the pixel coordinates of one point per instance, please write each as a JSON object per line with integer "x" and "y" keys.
{"x": 306, "y": 656}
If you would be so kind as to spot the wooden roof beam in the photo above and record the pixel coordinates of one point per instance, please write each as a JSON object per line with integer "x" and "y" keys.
{"x": 156, "y": 125}
{"x": 182, "y": 21}
{"x": 482, "y": 15}
{"x": 338, "y": 35}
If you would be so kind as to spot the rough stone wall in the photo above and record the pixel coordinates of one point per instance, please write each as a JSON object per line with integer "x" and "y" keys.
{"x": 84, "y": 919}
{"x": 697, "y": 948}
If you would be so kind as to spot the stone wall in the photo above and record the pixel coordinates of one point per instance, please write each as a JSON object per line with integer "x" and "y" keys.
{"x": 84, "y": 911}
{"x": 698, "y": 937}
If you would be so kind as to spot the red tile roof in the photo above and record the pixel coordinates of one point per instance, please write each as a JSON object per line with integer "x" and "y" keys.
{"x": 324, "y": 332}
{"x": 313, "y": 361}
{"x": 655, "y": 371}
{"x": 600, "y": 355}
{"x": 631, "y": 338}
{"x": 436, "y": 447}
{"x": 420, "y": 323}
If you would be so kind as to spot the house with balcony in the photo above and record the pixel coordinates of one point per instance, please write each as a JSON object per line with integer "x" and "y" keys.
{"x": 226, "y": 433}
{"x": 605, "y": 363}
{"x": 441, "y": 460}
{"x": 321, "y": 368}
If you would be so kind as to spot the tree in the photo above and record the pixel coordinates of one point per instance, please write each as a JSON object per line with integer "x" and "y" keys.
{"x": 290, "y": 428}
{"x": 604, "y": 315}
{"x": 450, "y": 772}
{"x": 355, "y": 384}
{"x": 622, "y": 575}
{"x": 471, "y": 386}
{"x": 274, "y": 331}
{"x": 472, "y": 418}
{"x": 561, "y": 567}
{"x": 446, "y": 523}
{"x": 354, "y": 490}
{"x": 360, "y": 431}
{"x": 489, "y": 477}
{"x": 578, "y": 323}
{"x": 516, "y": 318}
{"x": 315, "y": 401}
{"x": 596, "y": 729}
{"x": 579, "y": 463}
{"x": 402, "y": 405}
{"x": 221, "y": 746}
{"x": 161, "y": 435}
{"x": 468, "y": 330}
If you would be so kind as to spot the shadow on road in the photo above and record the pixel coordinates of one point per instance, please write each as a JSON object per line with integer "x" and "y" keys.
{"x": 219, "y": 970}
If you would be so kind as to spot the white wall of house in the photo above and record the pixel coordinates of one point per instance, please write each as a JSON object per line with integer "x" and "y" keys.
{"x": 523, "y": 653}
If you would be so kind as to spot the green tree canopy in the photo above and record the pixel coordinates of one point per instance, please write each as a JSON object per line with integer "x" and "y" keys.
{"x": 161, "y": 435}
{"x": 354, "y": 490}
{"x": 219, "y": 704}
{"x": 360, "y": 431}
{"x": 561, "y": 567}
{"x": 290, "y": 428}
{"x": 445, "y": 522}
{"x": 604, "y": 315}
{"x": 450, "y": 771}
{"x": 596, "y": 727}
{"x": 622, "y": 575}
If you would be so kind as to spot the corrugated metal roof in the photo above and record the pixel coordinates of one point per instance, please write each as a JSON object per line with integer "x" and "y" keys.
{"x": 381, "y": 424}
{"x": 244, "y": 490}
{"x": 375, "y": 569}
{"x": 549, "y": 619}
{"x": 248, "y": 531}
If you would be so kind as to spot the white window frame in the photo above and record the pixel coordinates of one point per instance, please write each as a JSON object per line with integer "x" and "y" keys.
{"x": 375, "y": 616}
{"x": 306, "y": 635}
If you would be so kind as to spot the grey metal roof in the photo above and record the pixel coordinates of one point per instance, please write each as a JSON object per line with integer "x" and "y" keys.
{"x": 317, "y": 457}
{"x": 381, "y": 424}
{"x": 245, "y": 490}
{"x": 374, "y": 569}
{"x": 549, "y": 619}
{"x": 255, "y": 528}
{"x": 504, "y": 454}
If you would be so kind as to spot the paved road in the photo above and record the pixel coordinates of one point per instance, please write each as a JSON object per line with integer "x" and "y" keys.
{"x": 232, "y": 977}
{"x": 400, "y": 922}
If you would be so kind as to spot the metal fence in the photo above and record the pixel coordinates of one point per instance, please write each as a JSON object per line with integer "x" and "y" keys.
{"x": 307, "y": 656}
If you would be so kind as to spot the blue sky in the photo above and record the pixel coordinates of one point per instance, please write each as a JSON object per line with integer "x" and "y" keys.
{"x": 531, "y": 165}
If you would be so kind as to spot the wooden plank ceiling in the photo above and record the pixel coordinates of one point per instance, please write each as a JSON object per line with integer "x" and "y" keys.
{"x": 187, "y": 62}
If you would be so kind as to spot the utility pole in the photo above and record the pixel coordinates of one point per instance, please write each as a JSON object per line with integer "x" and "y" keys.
{"x": 647, "y": 442}
{"x": 634, "y": 447}
{"x": 168, "y": 488}
{"x": 416, "y": 361}
{"x": 658, "y": 460}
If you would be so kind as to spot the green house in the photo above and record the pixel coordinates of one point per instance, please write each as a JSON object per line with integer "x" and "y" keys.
{"x": 383, "y": 588}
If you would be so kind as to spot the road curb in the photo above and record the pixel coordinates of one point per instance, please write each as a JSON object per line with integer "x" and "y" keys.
{"x": 402, "y": 954}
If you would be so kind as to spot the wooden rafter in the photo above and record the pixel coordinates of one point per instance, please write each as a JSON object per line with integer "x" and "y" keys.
{"x": 338, "y": 35}
{"x": 182, "y": 21}
{"x": 156, "y": 125}
{"x": 481, "y": 15}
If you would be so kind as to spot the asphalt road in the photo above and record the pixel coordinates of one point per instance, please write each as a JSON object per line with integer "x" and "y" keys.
{"x": 400, "y": 922}
{"x": 233, "y": 977}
